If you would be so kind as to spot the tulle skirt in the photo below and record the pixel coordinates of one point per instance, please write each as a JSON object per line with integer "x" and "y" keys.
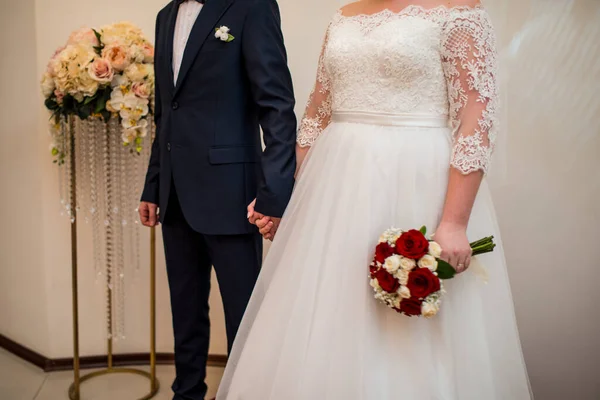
{"x": 313, "y": 329}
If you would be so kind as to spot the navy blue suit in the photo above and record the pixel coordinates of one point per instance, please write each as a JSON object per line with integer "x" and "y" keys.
{"x": 207, "y": 164}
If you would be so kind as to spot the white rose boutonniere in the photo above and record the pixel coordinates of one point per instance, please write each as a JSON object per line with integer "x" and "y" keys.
{"x": 223, "y": 34}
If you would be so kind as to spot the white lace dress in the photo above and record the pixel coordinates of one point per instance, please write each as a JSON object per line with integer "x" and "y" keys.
{"x": 400, "y": 97}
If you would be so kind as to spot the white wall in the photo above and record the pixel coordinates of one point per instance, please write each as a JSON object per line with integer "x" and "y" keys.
{"x": 23, "y": 311}
{"x": 547, "y": 206}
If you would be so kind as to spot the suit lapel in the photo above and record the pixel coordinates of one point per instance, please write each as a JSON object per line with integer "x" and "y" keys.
{"x": 203, "y": 28}
{"x": 169, "y": 45}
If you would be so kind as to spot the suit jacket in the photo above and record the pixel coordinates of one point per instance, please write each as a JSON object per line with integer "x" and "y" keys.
{"x": 208, "y": 123}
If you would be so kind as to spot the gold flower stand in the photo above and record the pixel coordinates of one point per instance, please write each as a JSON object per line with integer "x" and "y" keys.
{"x": 75, "y": 388}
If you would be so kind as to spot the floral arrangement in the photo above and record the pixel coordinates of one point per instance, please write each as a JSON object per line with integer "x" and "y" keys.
{"x": 106, "y": 73}
{"x": 407, "y": 272}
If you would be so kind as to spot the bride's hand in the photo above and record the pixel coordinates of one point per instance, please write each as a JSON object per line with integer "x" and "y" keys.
{"x": 456, "y": 249}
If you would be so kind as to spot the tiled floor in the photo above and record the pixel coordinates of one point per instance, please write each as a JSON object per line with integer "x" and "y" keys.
{"x": 20, "y": 380}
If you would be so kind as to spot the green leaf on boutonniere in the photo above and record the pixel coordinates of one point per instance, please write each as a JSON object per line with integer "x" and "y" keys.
{"x": 230, "y": 38}
{"x": 445, "y": 270}
{"x": 423, "y": 230}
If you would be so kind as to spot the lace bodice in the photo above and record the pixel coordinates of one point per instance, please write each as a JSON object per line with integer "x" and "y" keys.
{"x": 438, "y": 61}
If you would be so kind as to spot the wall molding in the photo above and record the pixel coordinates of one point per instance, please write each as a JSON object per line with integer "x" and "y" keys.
{"x": 92, "y": 362}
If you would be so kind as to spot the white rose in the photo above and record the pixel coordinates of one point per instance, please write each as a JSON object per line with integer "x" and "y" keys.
{"x": 402, "y": 276}
{"x": 48, "y": 85}
{"x": 430, "y": 309}
{"x": 428, "y": 262}
{"x": 392, "y": 264}
{"x": 407, "y": 264}
{"x": 404, "y": 292}
{"x": 224, "y": 30}
{"x": 435, "y": 249}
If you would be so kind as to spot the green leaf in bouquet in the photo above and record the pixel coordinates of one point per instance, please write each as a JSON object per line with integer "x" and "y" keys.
{"x": 84, "y": 112}
{"x": 102, "y": 99}
{"x": 445, "y": 270}
{"x": 98, "y": 49}
{"x": 423, "y": 230}
{"x": 105, "y": 115}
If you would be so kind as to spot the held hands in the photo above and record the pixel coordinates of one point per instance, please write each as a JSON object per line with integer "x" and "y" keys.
{"x": 148, "y": 214}
{"x": 267, "y": 226}
{"x": 456, "y": 247}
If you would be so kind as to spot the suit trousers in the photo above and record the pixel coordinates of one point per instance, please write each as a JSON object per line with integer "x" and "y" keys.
{"x": 190, "y": 256}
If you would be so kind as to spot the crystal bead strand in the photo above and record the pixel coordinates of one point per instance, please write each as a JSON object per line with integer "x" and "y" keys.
{"x": 94, "y": 155}
{"x": 122, "y": 153}
{"x": 69, "y": 128}
{"x": 108, "y": 226}
{"x": 61, "y": 167}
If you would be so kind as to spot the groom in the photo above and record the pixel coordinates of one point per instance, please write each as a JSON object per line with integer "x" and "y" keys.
{"x": 221, "y": 74}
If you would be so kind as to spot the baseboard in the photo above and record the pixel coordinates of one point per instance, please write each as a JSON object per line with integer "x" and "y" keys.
{"x": 92, "y": 362}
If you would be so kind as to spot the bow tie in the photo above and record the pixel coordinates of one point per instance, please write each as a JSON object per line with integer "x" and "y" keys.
{"x": 179, "y": 2}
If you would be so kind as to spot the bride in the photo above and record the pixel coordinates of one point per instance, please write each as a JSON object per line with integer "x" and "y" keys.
{"x": 400, "y": 126}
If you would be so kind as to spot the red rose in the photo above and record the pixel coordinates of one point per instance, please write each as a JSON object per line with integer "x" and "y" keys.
{"x": 383, "y": 251}
{"x": 412, "y": 244}
{"x": 373, "y": 268}
{"x": 422, "y": 282}
{"x": 387, "y": 281}
{"x": 411, "y": 307}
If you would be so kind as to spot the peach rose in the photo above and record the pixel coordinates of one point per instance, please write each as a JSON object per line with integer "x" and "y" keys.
{"x": 117, "y": 56}
{"x": 101, "y": 71}
{"x": 140, "y": 89}
{"x": 84, "y": 36}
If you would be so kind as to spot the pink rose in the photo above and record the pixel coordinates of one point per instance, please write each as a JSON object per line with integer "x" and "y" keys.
{"x": 117, "y": 56}
{"x": 84, "y": 36}
{"x": 148, "y": 50}
{"x": 53, "y": 60}
{"x": 59, "y": 96}
{"x": 140, "y": 89}
{"x": 101, "y": 71}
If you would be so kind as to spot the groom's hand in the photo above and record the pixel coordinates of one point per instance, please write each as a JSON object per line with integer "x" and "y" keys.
{"x": 148, "y": 214}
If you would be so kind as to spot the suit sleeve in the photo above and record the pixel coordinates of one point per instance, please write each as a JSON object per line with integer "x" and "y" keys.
{"x": 151, "y": 186}
{"x": 265, "y": 61}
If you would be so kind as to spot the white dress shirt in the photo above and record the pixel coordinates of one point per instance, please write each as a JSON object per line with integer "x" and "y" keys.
{"x": 186, "y": 17}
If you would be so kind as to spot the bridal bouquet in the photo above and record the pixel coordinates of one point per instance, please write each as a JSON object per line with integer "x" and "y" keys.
{"x": 102, "y": 73}
{"x": 407, "y": 272}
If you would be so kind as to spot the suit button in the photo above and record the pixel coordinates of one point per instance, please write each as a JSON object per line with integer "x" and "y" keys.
{"x": 175, "y": 105}
{"x": 168, "y": 146}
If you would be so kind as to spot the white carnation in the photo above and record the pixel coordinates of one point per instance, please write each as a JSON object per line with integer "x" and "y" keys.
{"x": 402, "y": 276}
{"x": 375, "y": 284}
{"x": 430, "y": 308}
{"x": 404, "y": 292}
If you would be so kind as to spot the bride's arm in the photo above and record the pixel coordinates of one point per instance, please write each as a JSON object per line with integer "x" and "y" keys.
{"x": 470, "y": 66}
{"x": 317, "y": 115}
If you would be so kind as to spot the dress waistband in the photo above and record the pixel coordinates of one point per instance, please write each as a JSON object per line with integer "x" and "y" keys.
{"x": 409, "y": 120}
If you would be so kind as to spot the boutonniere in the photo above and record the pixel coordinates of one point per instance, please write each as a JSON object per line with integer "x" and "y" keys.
{"x": 223, "y": 34}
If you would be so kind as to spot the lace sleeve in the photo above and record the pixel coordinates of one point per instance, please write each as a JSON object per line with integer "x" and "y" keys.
{"x": 318, "y": 110}
{"x": 470, "y": 66}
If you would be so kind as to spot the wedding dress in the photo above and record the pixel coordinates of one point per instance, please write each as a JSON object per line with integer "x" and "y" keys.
{"x": 400, "y": 97}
